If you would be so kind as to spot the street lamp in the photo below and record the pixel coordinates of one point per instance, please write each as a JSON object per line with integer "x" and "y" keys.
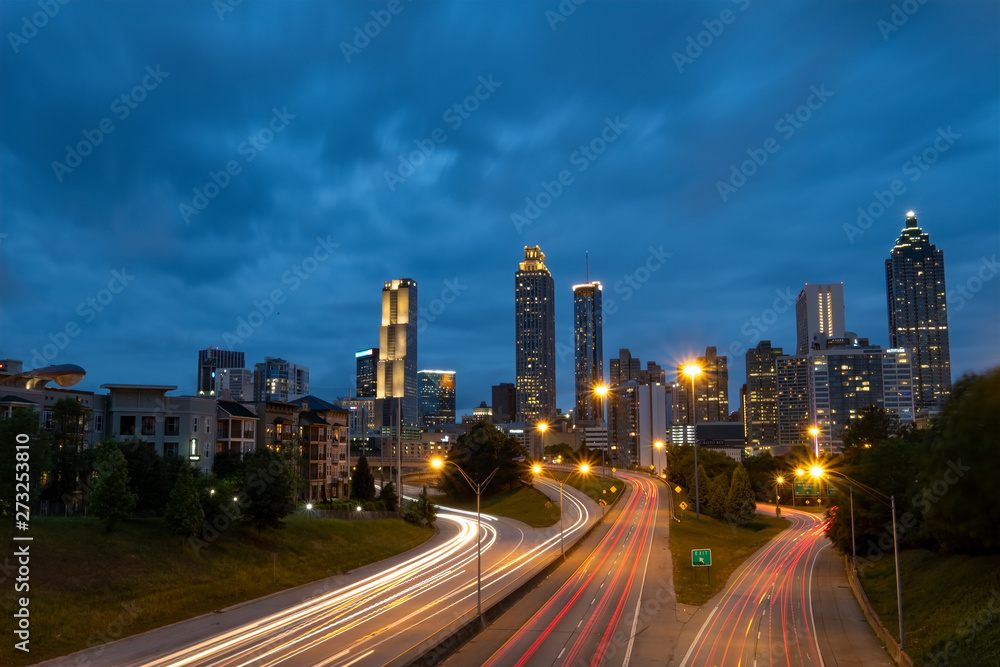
{"x": 478, "y": 488}
{"x": 777, "y": 498}
{"x": 814, "y": 432}
{"x": 659, "y": 448}
{"x": 602, "y": 391}
{"x": 542, "y": 428}
{"x": 693, "y": 370}
{"x": 818, "y": 472}
{"x": 537, "y": 470}
{"x": 64, "y": 375}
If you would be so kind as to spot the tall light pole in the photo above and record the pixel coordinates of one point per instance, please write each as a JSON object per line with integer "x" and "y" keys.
{"x": 777, "y": 497}
{"x": 814, "y": 432}
{"x": 542, "y": 428}
{"x": 819, "y": 473}
{"x": 537, "y": 470}
{"x": 478, "y": 488}
{"x": 602, "y": 391}
{"x": 693, "y": 370}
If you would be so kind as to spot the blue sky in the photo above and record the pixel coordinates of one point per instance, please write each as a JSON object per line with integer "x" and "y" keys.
{"x": 711, "y": 157}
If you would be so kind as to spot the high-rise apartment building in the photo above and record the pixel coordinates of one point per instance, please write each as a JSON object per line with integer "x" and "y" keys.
{"x": 918, "y": 312}
{"x": 210, "y": 362}
{"x": 504, "y": 397}
{"x": 711, "y": 388}
{"x": 278, "y": 380}
{"x": 819, "y": 315}
{"x": 794, "y": 404}
{"x": 535, "y": 338}
{"x": 588, "y": 324}
{"x": 367, "y": 372}
{"x": 637, "y": 409}
{"x": 760, "y": 401}
{"x": 237, "y": 383}
{"x": 437, "y": 398}
{"x": 397, "y": 363}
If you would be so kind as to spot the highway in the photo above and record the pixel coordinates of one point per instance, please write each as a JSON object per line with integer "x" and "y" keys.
{"x": 592, "y": 619}
{"x": 765, "y": 616}
{"x": 390, "y": 616}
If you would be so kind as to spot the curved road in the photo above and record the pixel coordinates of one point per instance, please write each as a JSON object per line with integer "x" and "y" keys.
{"x": 389, "y": 617}
{"x": 594, "y": 615}
{"x": 765, "y": 615}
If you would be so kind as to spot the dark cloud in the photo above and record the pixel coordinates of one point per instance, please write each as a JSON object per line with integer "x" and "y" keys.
{"x": 323, "y": 175}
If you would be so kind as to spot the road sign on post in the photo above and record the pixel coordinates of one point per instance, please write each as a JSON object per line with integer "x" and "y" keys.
{"x": 701, "y": 557}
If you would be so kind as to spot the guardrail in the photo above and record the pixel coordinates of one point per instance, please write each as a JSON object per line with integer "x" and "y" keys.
{"x": 891, "y": 645}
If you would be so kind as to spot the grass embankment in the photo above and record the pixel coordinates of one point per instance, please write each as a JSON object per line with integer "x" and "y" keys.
{"x": 593, "y": 485}
{"x": 525, "y": 504}
{"x": 951, "y": 605}
{"x": 730, "y": 546}
{"x": 87, "y": 586}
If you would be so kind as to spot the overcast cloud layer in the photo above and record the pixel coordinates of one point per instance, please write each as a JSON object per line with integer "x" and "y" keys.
{"x": 310, "y": 117}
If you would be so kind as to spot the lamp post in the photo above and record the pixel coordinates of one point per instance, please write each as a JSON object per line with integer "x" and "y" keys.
{"x": 602, "y": 391}
{"x": 777, "y": 497}
{"x": 478, "y": 488}
{"x": 64, "y": 375}
{"x": 814, "y": 432}
{"x": 542, "y": 428}
{"x": 693, "y": 370}
{"x": 819, "y": 472}
{"x": 537, "y": 470}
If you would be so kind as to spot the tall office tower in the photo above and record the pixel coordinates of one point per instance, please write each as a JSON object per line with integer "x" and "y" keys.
{"x": 278, "y": 380}
{"x": 711, "y": 388}
{"x": 760, "y": 409}
{"x": 237, "y": 381}
{"x": 397, "y": 363}
{"x": 367, "y": 372}
{"x": 212, "y": 360}
{"x": 794, "y": 404}
{"x": 819, "y": 314}
{"x": 437, "y": 398}
{"x": 918, "y": 312}
{"x": 846, "y": 379}
{"x": 588, "y": 323}
{"x": 535, "y": 338}
{"x": 504, "y": 397}
{"x": 635, "y": 396}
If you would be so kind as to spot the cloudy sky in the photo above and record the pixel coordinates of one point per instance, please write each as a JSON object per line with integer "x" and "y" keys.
{"x": 168, "y": 169}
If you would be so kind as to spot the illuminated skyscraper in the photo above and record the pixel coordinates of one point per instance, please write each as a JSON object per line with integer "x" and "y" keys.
{"x": 367, "y": 372}
{"x": 819, "y": 315}
{"x": 760, "y": 409}
{"x": 437, "y": 398}
{"x": 587, "y": 328}
{"x": 918, "y": 312}
{"x": 535, "y": 338}
{"x": 397, "y": 362}
{"x": 210, "y": 362}
{"x": 711, "y": 388}
{"x": 278, "y": 380}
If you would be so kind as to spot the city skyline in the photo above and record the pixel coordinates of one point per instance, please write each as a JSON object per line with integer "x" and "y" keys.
{"x": 285, "y": 258}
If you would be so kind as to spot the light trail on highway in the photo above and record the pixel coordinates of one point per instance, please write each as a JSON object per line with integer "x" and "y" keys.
{"x": 765, "y": 616}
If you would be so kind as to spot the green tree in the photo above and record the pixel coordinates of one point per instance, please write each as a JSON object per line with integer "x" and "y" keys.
{"x": 958, "y": 471}
{"x": 718, "y": 495}
{"x": 362, "y": 481}
{"x": 561, "y": 449}
{"x": 388, "y": 496}
{"x": 228, "y": 464}
{"x": 151, "y": 477}
{"x": 704, "y": 488}
{"x": 111, "y": 500}
{"x": 266, "y": 490}
{"x": 479, "y": 452}
{"x": 421, "y": 511}
{"x": 184, "y": 514}
{"x": 741, "y": 506}
{"x": 874, "y": 426}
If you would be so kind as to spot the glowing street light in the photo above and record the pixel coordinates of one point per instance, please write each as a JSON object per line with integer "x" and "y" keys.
{"x": 542, "y": 428}
{"x": 814, "y": 432}
{"x": 602, "y": 391}
{"x": 693, "y": 370}
{"x": 439, "y": 463}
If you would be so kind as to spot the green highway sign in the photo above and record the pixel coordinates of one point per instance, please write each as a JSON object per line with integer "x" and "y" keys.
{"x": 701, "y": 557}
{"x": 806, "y": 487}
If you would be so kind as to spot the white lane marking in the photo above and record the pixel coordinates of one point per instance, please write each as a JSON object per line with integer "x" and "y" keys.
{"x": 698, "y": 637}
{"x": 561, "y": 653}
{"x": 358, "y": 659}
{"x": 812, "y": 621}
